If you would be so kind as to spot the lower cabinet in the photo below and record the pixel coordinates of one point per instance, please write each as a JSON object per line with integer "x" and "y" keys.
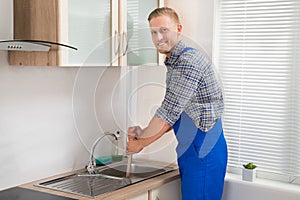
{"x": 143, "y": 196}
{"x": 169, "y": 191}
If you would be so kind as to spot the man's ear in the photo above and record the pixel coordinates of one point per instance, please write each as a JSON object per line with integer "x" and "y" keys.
{"x": 179, "y": 28}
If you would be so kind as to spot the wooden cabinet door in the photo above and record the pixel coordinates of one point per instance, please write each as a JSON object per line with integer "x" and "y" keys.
{"x": 36, "y": 20}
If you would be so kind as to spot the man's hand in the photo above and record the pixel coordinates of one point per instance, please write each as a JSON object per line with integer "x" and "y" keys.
{"x": 134, "y": 132}
{"x": 134, "y": 145}
{"x": 139, "y": 138}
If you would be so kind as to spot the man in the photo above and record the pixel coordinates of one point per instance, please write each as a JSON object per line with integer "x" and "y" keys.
{"x": 192, "y": 106}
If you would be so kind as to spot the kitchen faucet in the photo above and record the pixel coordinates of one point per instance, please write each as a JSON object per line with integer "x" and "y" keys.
{"x": 92, "y": 162}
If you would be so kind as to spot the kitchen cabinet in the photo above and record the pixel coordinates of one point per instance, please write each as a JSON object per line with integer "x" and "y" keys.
{"x": 138, "y": 48}
{"x": 143, "y": 196}
{"x": 106, "y": 32}
{"x": 168, "y": 191}
{"x": 88, "y": 26}
{"x": 120, "y": 37}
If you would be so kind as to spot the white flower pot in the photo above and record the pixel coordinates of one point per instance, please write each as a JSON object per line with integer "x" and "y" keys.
{"x": 249, "y": 174}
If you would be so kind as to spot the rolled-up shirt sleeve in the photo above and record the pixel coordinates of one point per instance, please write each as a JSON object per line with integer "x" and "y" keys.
{"x": 182, "y": 84}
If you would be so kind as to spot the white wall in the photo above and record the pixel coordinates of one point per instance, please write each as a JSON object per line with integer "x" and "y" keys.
{"x": 197, "y": 20}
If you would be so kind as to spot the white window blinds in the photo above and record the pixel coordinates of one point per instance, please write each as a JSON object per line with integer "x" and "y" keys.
{"x": 257, "y": 46}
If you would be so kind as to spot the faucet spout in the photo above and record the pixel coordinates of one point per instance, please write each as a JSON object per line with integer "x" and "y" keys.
{"x": 92, "y": 162}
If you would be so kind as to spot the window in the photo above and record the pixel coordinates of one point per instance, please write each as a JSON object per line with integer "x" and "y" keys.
{"x": 256, "y": 51}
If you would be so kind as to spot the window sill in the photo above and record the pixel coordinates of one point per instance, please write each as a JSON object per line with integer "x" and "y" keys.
{"x": 260, "y": 189}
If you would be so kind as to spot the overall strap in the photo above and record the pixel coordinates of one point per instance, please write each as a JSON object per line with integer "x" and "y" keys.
{"x": 186, "y": 49}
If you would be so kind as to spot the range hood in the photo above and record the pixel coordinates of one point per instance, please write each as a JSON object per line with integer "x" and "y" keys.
{"x": 30, "y": 26}
{"x": 31, "y": 45}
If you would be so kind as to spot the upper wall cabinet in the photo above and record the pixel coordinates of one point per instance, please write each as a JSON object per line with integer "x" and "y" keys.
{"x": 105, "y": 32}
{"x": 137, "y": 48}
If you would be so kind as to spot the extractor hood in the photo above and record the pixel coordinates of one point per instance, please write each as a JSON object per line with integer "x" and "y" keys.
{"x": 30, "y": 26}
{"x": 31, "y": 45}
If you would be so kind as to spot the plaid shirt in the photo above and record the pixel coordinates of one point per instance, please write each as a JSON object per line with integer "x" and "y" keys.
{"x": 191, "y": 87}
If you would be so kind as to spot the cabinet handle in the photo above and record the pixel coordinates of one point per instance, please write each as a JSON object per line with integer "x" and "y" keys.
{"x": 116, "y": 43}
{"x": 126, "y": 42}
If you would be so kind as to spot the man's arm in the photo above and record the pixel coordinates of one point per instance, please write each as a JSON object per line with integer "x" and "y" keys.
{"x": 139, "y": 139}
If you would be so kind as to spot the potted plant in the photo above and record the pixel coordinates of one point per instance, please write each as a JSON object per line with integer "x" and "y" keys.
{"x": 249, "y": 172}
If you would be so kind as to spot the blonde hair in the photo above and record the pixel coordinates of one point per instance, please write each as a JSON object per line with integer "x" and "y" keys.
{"x": 162, "y": 12}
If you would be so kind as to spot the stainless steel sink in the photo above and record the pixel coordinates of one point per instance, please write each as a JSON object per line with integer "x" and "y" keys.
{"x": 137, "y": 171}
{"x": 106, "y": 179}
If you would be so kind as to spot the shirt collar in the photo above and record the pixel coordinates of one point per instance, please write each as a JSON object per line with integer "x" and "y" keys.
{"x": 175, "y": 53}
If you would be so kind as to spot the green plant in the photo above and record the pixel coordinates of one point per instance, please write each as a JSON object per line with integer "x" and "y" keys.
{"x": 249, "y": 166}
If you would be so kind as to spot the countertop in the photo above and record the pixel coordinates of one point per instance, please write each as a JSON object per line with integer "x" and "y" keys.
{"x": 123, "y": 193}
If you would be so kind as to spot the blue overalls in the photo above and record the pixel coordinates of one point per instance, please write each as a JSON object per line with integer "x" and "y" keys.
{"x": 202, "y": 159}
